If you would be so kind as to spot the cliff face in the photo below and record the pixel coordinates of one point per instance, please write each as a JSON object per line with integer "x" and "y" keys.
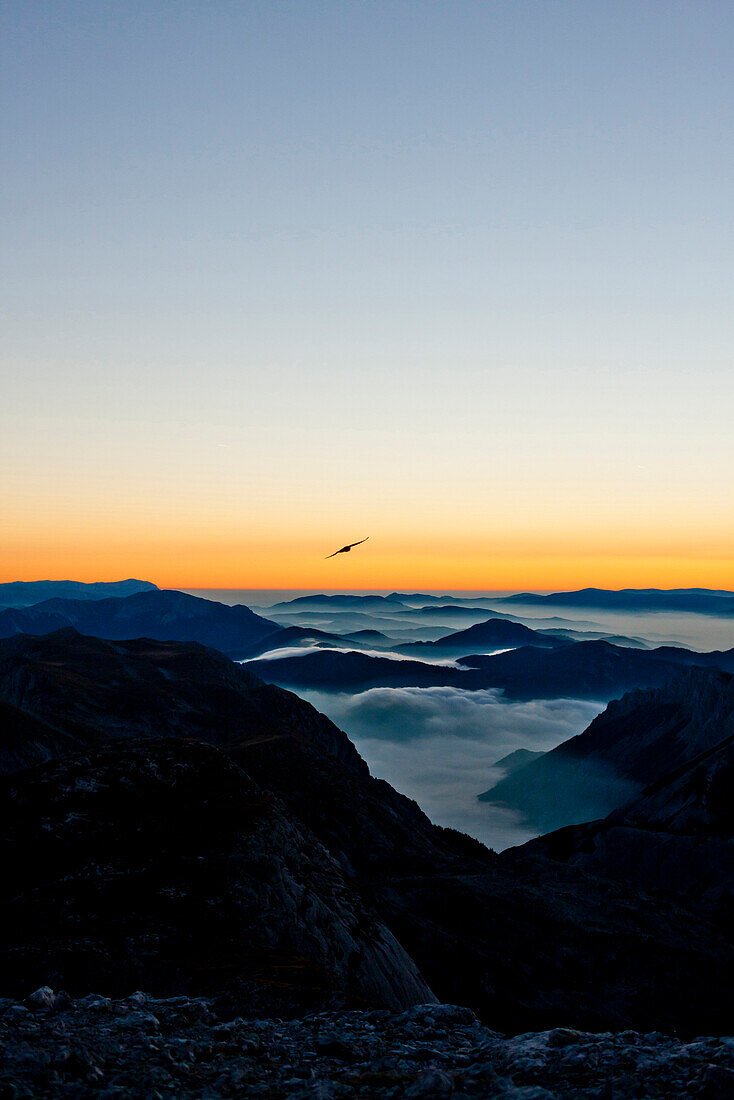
{"x": 634, "y": 742}
{"x": 677, "y": 834}
{"x": 163, "y": 863}
{"x": 648, "y": 733}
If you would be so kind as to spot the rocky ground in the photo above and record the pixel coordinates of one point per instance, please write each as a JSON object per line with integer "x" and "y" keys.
{"x": 179, "y": 1047}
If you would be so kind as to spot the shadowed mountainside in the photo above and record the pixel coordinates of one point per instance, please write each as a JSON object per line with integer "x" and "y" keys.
{"x": 93, "y": 690}
{"x": 678, "y": 833}
{"x": 581, "y": 670}
{"x": 167, "y": 615}
{"x": 163, "y": 863}
{"x": 635, "y": 742}
{"x": 276, "y": 821}
{"x": 233, "y": 629}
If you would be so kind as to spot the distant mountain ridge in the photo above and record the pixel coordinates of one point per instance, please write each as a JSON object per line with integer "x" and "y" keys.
{"x": 160, "y": 613}
{"x": 346, "y": 600}
{"x": 492, "y": 633}
{"x": 698, "y": 600}
{"x": 595, "y": 670}
{"x": 25, "y": 593}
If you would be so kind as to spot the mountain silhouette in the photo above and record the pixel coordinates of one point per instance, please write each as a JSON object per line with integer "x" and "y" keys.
{"x": 163, "y": 614}
{"x": 25, "y": 593}
{"x": 700, "y": 600}
{"x": 240, "y": 845}
{"x": 677, "y": 833}
{"x": 596, "y": 670}
{"x": 633, "y": 743}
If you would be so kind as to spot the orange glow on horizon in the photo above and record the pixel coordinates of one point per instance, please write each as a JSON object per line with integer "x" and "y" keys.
{"x": 188, "y": 568}
{"x": 199, "y": 548}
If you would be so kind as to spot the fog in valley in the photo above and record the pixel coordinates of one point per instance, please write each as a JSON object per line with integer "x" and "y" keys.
{"x": 441, "y": 745}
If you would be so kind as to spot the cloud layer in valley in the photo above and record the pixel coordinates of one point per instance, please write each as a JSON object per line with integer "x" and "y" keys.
{"x": 438, "y": 746}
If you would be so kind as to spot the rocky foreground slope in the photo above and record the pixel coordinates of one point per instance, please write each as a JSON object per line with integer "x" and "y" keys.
{"x": 182, "y": 1047}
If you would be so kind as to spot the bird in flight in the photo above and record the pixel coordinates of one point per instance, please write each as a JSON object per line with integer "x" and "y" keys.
{"x": 346, "y": 549}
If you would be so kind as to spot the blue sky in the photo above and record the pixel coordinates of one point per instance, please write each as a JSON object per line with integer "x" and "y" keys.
{"x": 491, "y": 240}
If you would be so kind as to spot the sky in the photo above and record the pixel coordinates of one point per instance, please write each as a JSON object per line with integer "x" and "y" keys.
{"x": 456, "y": 276}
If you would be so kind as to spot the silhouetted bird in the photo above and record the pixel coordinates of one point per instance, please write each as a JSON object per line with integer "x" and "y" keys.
{"x": 346, "y": 549}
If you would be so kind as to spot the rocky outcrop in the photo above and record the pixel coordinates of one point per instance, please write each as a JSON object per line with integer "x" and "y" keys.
{"x": 94, "y": 691}
{"x": 183, "y": 1048}
{"x": 162, "y": 862}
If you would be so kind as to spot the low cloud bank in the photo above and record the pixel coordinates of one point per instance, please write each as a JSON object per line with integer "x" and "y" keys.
{"x": 438, "y": 745}
{"x": 387, "y": 654}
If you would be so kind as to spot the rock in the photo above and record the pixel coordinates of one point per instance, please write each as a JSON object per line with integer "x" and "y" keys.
{"x": 42, "y": 999}
{"x": 333, "y": 1047}
{"x": 530, "y": 1092}
{"x": 432, "y": 1082}
{"x": 438, "y": 1015}
{"x": 337, "y": 1054}
{"x": 717, "y": 1083}
{"x": 563, "y": 1037}
{"x": 94, "y": 1003}
{"x": 62, "y": 1001}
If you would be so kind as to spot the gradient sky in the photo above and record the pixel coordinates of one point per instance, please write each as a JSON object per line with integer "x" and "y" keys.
{"x": 457, "y": 276}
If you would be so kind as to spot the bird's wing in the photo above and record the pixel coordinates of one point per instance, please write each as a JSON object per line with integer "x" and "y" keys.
{"x": 351, "y": 544}
{"x": 333, "y": 555}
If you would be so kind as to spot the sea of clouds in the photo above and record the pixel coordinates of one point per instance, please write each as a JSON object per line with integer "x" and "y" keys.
{"x": 438, "y": 746}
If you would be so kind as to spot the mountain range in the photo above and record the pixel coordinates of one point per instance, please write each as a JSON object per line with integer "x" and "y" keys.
{"x": 189, "y": 825}
{"x": 583, "y": 670}
{"x": 489, "y": 634}
{"x": 166, "y": 615}
{"x": 703, "y": 601}
{"x": 25, "y": 593}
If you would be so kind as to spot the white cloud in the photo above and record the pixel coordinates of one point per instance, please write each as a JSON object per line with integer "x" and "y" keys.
{"x": 438, "y": 745}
